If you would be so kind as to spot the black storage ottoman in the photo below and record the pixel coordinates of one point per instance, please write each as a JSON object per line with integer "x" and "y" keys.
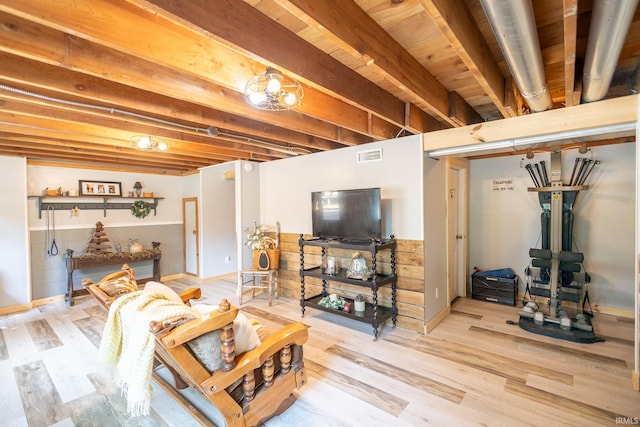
{"x": 499, "y": 286}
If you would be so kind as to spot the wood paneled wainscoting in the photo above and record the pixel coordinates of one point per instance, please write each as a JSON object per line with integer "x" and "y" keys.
{"x": 409, "y": 269}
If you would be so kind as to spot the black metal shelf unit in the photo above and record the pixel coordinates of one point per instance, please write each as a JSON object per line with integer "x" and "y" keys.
{"x": 374, "y": 313}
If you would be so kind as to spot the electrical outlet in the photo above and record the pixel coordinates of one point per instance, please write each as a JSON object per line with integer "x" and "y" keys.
{"x": 437, "y": 292}
{"x": 227, "y": 259}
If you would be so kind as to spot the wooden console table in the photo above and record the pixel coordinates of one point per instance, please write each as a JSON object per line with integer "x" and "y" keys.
{"x": 110, "y": 258}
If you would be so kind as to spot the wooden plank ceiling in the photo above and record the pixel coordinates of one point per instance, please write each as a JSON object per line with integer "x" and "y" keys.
{"x": 79, "y": 78}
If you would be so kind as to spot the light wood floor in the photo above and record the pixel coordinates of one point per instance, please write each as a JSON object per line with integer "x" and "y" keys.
{"x": 473, "y": 369}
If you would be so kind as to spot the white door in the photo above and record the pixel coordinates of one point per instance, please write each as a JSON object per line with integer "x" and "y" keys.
{"x": 456, "y": 230}
{"x": 190, "y": 230}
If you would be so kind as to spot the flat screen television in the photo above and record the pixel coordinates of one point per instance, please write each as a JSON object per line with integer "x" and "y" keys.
{"x": 347, "y": 214}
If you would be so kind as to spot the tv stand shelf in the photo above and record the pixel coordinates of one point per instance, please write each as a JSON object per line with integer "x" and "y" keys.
{"x": 374, "y": 313}
{"x": 382, "y": 313}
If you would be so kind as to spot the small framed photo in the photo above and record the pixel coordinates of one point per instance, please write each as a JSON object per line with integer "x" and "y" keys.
{"x": 100, "y": 188}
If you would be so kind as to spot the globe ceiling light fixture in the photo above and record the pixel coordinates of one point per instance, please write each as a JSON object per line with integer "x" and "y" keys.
{"x": 274, "y": 91}
{"x": 148, "y": 143}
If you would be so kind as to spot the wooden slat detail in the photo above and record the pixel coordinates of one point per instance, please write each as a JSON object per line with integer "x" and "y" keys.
{"x": 570, "y": 27}
{"x": 199, "y": 56}
{"x": 94, "y": 90}
{"x": 514, "y": 370}
{"x": 585, "y": 355}
{"x": 126, "y": 68}
{"x": 91, "y": 328}
{"x": 406, "y": 376}
{"x": 457, "y": 24}
{"x": 4, "y": 354}
{"x": 465, "y": 314}
{"x": 43, "y": 335}
{"x": 604, "y": 113}
{"x": 318, "y": 68}
{"x": 266, "y": 315}
{"x": 365, "y": 392}
{"x": 347, "y": 25}
{"x": 582, "y": 410}
{"x": 39, "y": 394}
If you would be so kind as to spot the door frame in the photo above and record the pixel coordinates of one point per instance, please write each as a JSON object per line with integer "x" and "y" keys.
{"x": 186, "y": 200}
{"x": 461, "y": 167}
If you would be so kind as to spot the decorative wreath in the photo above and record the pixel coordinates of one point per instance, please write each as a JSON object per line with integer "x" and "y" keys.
{"x": 140, "y": 209}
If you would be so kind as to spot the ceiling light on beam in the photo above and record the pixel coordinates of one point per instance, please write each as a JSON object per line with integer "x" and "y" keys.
{"x": 274, "y": 91}
{"x": 148, "y": 143}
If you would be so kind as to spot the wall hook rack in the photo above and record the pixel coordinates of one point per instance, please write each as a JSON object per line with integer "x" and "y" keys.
{"x": 101, "y": 203}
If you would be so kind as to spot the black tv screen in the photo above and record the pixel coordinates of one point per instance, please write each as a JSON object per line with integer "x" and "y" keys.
{"x": 347, "y": 214}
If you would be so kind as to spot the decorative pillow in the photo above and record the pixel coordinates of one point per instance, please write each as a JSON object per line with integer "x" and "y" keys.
{"x": 116, "y": 287}
{"x": 206, "y": 348}
{"x": 245, "y": 334}
{"x": 160, "y": 288}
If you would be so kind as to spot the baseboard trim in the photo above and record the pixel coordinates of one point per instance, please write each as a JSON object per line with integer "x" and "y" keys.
{"x": 435, "y": 321}
{"x": 15, "y": 308}
{"x": 232, "y": 276}
{"x": 47, "y": 300}
{"x": 171, "y": 277}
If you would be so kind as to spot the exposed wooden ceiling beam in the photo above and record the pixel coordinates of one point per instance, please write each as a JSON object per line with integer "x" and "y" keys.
{"x": 64, "y": 83}
{"x": 122, "y": 128}
{"x": 172, "y": 46}
{"x": 280, "y": 47}
{"x": 456, "y": 23}
{"x": 349, "y": 27}
{"x": 570, "y": 27}
{"x": 99, "y": 61}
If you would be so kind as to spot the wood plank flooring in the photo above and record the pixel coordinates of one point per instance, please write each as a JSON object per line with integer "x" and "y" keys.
{"x": 473, "y": 369}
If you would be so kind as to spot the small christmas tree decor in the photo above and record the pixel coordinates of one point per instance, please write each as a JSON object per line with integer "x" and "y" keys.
{"x": 99, "y": 242}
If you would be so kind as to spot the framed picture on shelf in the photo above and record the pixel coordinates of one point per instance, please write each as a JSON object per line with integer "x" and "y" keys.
{"x": 100, "y": 188}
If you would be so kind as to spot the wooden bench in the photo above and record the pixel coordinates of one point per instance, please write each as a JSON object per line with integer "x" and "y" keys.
{"x": 250, "y": 387}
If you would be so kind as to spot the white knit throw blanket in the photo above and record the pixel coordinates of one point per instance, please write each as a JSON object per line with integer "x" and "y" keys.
{"x": 127, "y": 345}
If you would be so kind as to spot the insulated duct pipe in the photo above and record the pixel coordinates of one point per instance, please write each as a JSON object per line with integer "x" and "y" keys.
{"x": 610, "y": 21}
{"x": 515, "y": 29}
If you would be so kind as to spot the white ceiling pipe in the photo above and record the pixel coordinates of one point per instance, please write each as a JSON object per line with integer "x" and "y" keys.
{"x": 515, "y": 29}
{"x": 610, "y": 21}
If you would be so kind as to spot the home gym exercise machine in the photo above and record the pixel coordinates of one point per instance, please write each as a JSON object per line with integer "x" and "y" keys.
{"x": 556, "y": 271}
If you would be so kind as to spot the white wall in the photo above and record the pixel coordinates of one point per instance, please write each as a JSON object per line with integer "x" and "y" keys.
{"x": 435, "y": 237}
{"x": 286, "y": 185}
{"x": 169, "y": 209}
{"x": 217, "y": 221}
{"x": 503, "y": 225}
{"x": 247, "y": 208}
{"x": 14, "y": 245}
{"x": 191, "y": 185}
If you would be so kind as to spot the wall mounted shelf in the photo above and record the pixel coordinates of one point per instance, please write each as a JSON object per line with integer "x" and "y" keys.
{"x": 101, "y": 203}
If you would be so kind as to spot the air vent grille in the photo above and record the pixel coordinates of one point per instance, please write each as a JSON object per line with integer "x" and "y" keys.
{"x": 370, "y": 155}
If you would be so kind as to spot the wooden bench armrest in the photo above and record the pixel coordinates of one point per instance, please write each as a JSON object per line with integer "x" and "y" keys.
{"x": 197, "y": 327}
{"x": 189, "y": 294}
{"x": 295, "y": 333}
{"x": 104, "y": 299}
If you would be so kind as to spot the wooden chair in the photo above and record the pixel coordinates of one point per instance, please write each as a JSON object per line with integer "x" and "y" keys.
{"x": 249, "y": 388}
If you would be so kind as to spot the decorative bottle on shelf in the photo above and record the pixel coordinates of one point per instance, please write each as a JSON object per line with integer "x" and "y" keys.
{"x": 330, "y": 265}
{"x": 138, "y": 188}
